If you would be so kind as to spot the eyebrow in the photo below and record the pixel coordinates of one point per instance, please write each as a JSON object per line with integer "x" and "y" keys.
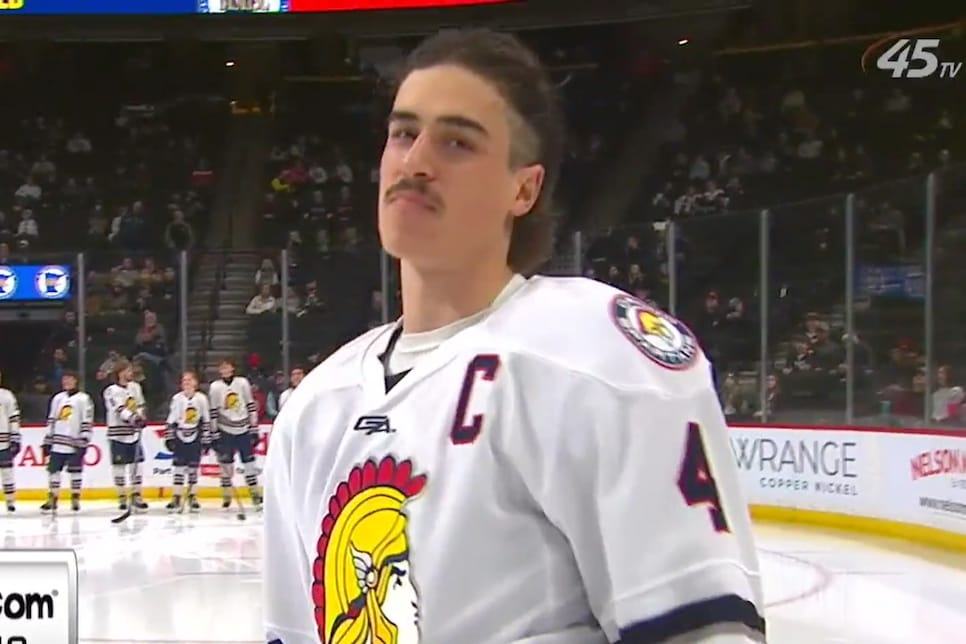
{"x": 446, "y": 119}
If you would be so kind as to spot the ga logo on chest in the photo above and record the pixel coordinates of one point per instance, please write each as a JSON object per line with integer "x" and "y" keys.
{"x": 362, "y": 588}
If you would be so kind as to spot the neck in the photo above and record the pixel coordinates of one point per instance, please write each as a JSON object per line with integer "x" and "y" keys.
{"x": 433, "y": 299}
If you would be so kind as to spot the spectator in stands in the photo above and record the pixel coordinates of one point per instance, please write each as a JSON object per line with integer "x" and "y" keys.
{"x": 27, "y": 228}
{"x": 266, "y": 274}
{"x": 29, "y": 191}
{"x": 263, "y": 303}
{"x": 312, "y": 302}
{"x": 79, "y": 144}
{"x": 261, "y": 403}
{"x": 125, "y": 274}
{"x": 907, "y": 400}
{"x": 58, "y": 364}
{"x": 947, "y": 399}
{"x": 150, "y": 342}
{"x": 178, "y": 234}
{"x": 65, "y": 333}
{"x": 293, "y": 303}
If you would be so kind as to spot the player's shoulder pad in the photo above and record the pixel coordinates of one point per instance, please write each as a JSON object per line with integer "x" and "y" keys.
{"x": 583, "y": 325}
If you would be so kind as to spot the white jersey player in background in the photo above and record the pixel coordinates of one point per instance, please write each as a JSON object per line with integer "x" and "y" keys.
{"x": 295, "y": 379}
{"x": 188, "y": 434}
{"x": 70, "y": 420}
{"x": 515, "y": 460}
{"x": 9, "y": 444}
{"x": 126, "y": 417}
{"x": 234, "y": 427}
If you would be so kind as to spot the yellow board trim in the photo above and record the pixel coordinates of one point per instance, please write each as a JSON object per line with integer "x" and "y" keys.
{"x": 101, "y": 494}
{"x": 918, "y": 534}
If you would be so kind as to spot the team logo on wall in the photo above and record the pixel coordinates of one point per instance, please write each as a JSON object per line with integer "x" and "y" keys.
{"x": 8, "y": 283}
{"x": 52, "y": 282}
{"x": 656, "y": 334}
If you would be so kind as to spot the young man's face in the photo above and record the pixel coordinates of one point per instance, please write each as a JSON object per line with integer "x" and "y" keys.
{"x": 447, "y": 190}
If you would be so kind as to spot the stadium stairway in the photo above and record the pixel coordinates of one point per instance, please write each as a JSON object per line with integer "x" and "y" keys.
{"x": 619, "y": 183}
{"x": 217, "y": 323}
{"x": 228, "y": 277}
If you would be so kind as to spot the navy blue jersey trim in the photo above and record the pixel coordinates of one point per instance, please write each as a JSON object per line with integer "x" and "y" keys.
{"x": 726, "y": 609}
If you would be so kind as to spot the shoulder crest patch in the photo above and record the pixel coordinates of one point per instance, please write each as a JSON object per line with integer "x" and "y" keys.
{"x": 662, "y": 338}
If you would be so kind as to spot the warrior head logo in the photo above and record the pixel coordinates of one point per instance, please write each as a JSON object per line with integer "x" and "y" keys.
{"x": 190, "y": 416}
{"x": 131, "y": 404}
{"x": 231, "y": 400}
{"x": 65, "y": 412}
{"x": 363, "y": 589}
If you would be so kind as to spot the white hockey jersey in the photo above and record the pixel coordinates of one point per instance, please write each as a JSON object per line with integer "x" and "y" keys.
{"x": 189, "y": 418}
{"x": 69, "y": 422}
{"x": 233, "y": 407}
{"x": 557, "y": 473}
{"x": 9, "y": 419}
{"x": 284, "y": 396}
{"x": 125, "y": 406}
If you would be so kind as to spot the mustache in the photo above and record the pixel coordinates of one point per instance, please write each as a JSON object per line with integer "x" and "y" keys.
{"x": 419, "y": 187}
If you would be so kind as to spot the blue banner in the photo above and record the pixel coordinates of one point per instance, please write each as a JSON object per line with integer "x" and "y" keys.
{"x": 34, "y": 283}
{"x": 896, "y": 281}
{"x": 96, "y": 7}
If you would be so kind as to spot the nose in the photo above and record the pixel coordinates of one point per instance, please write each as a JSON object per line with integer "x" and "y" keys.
{"x": 418, "y": 160}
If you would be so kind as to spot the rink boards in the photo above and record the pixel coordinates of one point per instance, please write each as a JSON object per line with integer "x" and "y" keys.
{"x": 98, "y": 479}
{"x": 907, "y": 483}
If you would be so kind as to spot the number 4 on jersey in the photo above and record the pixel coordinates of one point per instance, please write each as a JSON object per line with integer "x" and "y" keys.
{"x": 696, "y": 480}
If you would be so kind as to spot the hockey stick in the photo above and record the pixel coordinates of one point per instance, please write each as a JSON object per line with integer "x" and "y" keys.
{"x": 127, "y": 512}
{"x": 184, "y": 499}
{"x": 241, "y": 508}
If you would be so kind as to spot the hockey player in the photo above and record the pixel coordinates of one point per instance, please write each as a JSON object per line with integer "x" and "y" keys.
{"x": 234, "y": 426}
{"x": 188, "y": 434}
{"x": 69, "y": 423}
{"x": 516, "y": 459}
{"x": 294, "y": 380}
{"x": 9, "y": 443}
{"x": 126, "y": 418}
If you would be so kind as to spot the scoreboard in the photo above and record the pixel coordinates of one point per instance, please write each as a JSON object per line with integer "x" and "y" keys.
{"x": 181, "y": 7}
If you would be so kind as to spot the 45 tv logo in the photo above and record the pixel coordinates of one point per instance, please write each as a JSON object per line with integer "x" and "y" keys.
{"x": 912, "y": 58}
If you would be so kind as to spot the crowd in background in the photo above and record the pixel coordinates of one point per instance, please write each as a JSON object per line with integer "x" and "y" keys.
{"x": 790, "y": 134}
{"x": 128, "y": 184}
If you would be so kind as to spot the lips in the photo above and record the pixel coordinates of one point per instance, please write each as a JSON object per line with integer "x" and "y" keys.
{"x": 414, "y": 198}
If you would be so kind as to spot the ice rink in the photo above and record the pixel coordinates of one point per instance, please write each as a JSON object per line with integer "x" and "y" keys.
{"x": 166, "y": 579}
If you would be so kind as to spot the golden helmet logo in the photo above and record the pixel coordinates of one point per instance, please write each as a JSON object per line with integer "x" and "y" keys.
{"x": 231, "y": 400}
{"x": 363, "y": 587}
{"x": 190, "y": 416}
{"x": 65, "y": 412}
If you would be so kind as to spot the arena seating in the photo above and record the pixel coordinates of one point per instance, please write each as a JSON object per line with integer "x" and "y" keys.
{"x": 323, "y": 175}
{"x": 123, "y": 177}
{"x": 793, "y": 132}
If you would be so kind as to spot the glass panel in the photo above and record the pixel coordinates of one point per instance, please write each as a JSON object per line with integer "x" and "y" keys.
{"x": 889, "y": 303}
{"x": 131, "y": 303}
{"x": 806, "y": 278}
{"x": 610, "y": 258}
{"x": 566, "y": 260}
{"x": 717, "y": 289}
{"x": 39, "y": 328}
{"x": 949, "y": 304}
